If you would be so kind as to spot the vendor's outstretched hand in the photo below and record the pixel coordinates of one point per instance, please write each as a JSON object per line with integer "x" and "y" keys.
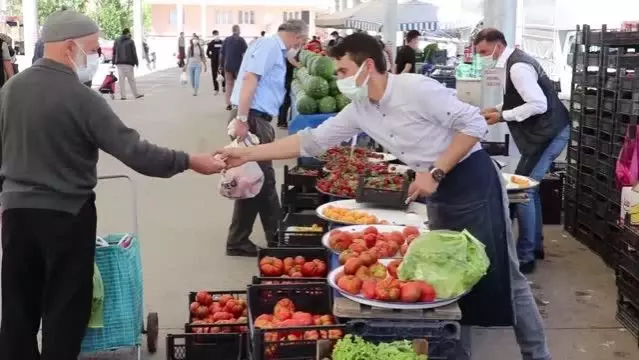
{"x": 206, "y": 164}
{"x": 232, "y": 156}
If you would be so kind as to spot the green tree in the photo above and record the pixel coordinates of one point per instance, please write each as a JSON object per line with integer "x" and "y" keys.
{"x": 114, "y": 15}
{"x": 46, "y": 7}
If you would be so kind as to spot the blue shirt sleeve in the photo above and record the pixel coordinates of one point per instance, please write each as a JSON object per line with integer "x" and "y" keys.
{"x": 262, "y": 57}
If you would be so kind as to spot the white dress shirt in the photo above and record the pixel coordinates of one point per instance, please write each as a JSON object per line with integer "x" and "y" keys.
{"x": 415, "y": 120}
{"x": 525, "y": 80}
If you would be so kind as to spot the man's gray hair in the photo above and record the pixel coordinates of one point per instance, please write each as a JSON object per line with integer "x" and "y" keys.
{"x": 295, "y": 26}
{"x": 235, "y": 29}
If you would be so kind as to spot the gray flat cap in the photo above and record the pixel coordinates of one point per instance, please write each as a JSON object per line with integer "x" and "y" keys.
{"x": 67, "y": 24}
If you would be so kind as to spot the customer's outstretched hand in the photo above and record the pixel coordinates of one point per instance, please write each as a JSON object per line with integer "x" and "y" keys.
{"x": 206, "y": 164}
{"x": 232, "y": 156}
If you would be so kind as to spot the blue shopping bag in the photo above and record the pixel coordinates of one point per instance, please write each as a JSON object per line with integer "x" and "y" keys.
{"x": 118, "y": 259}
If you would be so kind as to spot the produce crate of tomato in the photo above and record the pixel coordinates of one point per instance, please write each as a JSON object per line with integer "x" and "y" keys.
{"x": 386, "y": 190}
{"x": 287, "y": 320}
{"x": 344, "y": 153}
{"x": 300, "y": 229}
{"x": 357, "y": 166}
{"x": 309, "y": 263}
{"x": 371, "y": 241}
{"x": 301, "y": 176}
{"x": 264, "y": 280}
{"x": 217, "y": 328}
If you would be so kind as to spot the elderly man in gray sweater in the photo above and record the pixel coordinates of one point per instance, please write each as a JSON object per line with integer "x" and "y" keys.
{"x": 51, "y": 130}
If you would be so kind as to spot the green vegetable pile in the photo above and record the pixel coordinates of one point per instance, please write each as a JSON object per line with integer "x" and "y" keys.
{"x": 451, "y": 261}
{"x": 355, "y": 348}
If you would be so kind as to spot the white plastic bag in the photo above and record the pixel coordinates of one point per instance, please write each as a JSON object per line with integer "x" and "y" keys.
{"x": 183, "y": 78}
{"x": 242, "y": 182}
{"x": 220, "y": 77}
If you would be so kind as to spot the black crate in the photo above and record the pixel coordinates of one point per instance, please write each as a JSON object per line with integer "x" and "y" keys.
{"x": 628, "y": 107}
{"x": 570, "y": 193}
{"x": 314, "y": 298}
{"x": 205, "y": 346}
{"x": 605, "y": 147}
{"x": 602, "y": 187}
{"x": 601, "y": 206}
{"x": 573, "y": 155}
{"x": 296, "y": 199}
{"x": 620, "y": 38}
{"x": 575, "y": 137}
{"x": 229, "y": 341}
{"x": 571, "y": 171}
{"x": 570, "y": 216}
{"x": 600, "y": 227}
{"x": 288, "y": 237}
{"x": 307, "y": 253}
{"x": 443, "y": 336}
{"x": 628, "y": 315}
{"x": 588, "y": 157}
{"x": 608, "y": 105}
{"x": 585, "y": 170}
{"x": 606, "y": 126}
{"x": 395, "y": 199}
{"x": 590, "y": 122}
{"x": 261, "y": 280}
{"x": 305, "y": 177}
{"x": 628, "y": 283}
{"x": 587, "y": 179}
{"x": 588, "y": 140}
{"x": 629, "y": 241}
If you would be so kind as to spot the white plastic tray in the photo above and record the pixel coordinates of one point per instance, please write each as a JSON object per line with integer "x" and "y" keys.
{"x": 387, "y": 157}
{"x": 388, "y": 305}
{"x": 359, "y": 228}
{"x": 415, "y": 215}
{"x": 511, "y": 186}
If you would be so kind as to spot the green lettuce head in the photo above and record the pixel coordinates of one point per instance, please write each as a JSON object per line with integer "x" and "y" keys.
{"x": 451, "y": 261}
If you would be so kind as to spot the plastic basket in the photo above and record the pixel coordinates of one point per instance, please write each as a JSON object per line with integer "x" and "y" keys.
{"x": 314, "y": 298}
{"x": 121, "y": 269}
{"x": 443, "y": 336}
{"x": 301, "y": 176}
{"x": 289, "y": 237}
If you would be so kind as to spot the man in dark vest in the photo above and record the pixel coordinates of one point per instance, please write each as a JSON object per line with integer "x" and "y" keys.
{"x": 538, "y": 123}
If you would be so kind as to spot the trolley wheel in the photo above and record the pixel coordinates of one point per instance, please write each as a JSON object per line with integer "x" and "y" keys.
{"x": 152, "y": 329}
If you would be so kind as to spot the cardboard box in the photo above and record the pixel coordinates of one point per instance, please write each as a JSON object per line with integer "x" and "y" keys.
{"x": 325, "y": 348}
{"x": 629, "y": 205}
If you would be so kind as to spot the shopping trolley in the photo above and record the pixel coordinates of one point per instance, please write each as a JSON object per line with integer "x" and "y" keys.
{"x": 117, "y": 256}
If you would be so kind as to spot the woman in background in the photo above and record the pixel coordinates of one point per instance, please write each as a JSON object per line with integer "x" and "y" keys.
{"x": 195, "y": 63}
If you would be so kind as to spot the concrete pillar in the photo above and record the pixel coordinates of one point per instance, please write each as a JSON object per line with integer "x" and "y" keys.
{"x": 30, "y": 22}
{"x": 138, "y": 27}
{"x": 502, "y": 15}
{"x": 180, "y": 17}
{"x": 203, "y": 18}
{"x": 311, "y": 22}
{"x": 389, "y": 31}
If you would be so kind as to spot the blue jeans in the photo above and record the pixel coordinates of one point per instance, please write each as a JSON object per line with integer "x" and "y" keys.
{"x": 194, "y": 75}
{"x": 529, "y": 217}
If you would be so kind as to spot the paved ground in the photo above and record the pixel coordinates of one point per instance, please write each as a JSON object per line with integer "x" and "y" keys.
{"x": 183, "y": 225}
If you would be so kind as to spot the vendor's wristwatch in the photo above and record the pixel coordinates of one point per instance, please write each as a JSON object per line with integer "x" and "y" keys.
{"x": 242, "y": 118}
{"x": 437, "y": 174}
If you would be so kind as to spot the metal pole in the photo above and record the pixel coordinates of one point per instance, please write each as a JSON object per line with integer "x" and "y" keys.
{"x": 30, "y": 22}
{"x": 138, "y": 26}
{"x": 389, "y": 31}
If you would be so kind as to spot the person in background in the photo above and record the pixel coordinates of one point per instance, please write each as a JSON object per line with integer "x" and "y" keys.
{"x": 213, "y": 51}
{"x": 335, "y": 39}
{"x": 538, "y": 123}
{"x": 406, "y": 56}
{"x": 181, "y": 50}
{"x": 258, "y": 98}
{"x": 387, "y": 54}
{"x": 38, "y": 51}
{"x": 292, "y": 62}
{"x": 194, "y": 64}
{"x": 262, "y": 33}
{"x": 125, "y": 58}
{"x": 233, "y": 49}
{"x": 7, "y": 59}
{"x": 49, "y": 218}
{"x": 418, "y": 120}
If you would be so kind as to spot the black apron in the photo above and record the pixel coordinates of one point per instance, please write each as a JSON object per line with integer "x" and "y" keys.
{"x": 470, "y": 197}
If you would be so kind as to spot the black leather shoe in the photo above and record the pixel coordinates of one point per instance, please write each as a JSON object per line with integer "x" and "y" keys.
{"x": 527, "y": 268}
{"x": 540, "y": 254}
{"x": 229, "y": 107}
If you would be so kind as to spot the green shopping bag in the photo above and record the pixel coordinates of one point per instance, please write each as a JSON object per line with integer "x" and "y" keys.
{"x": 97, "y": 308}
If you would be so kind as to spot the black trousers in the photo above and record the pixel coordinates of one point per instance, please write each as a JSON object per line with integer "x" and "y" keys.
{"x": 47, "y": 274}
{"x": 181, "y": 56}
{"x": 282, "y": 118}
{"x": 266, "y": 203}
{"x": 215, "y": 71}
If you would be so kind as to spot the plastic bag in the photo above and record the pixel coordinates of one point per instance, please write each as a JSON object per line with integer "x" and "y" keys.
{"x": 220, "y": 77}
{"x": 183, "y": 78}
{"x": 627, "y": 167}
{"x": 242, "y": 182}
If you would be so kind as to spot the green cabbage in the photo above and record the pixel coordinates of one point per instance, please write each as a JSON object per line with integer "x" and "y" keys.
{"x": 451, "y": 261}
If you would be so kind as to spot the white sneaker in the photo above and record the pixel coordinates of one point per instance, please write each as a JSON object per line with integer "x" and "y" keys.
{"x": 216, "y": 93}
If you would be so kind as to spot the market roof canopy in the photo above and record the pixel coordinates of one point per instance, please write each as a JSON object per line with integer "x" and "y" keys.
{"x": 369, "y": 16}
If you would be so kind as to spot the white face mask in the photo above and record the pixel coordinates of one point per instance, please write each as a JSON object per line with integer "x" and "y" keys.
{"x": 87, "y": 72}
{"x": 487, "y": 62}
{"x": 348, "y": 86}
